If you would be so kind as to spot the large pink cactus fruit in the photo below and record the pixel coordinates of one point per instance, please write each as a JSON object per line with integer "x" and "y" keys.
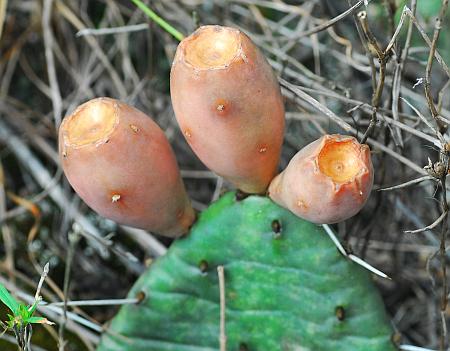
{"x": 228, "y": 104}
{"x": 121, "y": 164}
{"x": 327, "y": 181}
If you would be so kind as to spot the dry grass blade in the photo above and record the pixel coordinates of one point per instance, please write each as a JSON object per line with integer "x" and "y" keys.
{"x": 48, "y": 40}
{"x": 115, "y": 30}
{"x": 33, "y": 209}
{"x": 3, "y": 5}
{"x": 436, "y": 132}
{"x": 78, "y": 24}
{"x": 429, "y": 227}
{"x": 334, "y": 20}
{"x": 408, "y": 183}
{"x": 316, "y": 104}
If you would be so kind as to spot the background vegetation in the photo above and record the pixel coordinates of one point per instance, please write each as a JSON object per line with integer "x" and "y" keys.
{"x": 57, "y": 54}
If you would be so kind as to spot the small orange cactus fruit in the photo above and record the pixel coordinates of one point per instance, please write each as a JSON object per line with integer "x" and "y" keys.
{"x": 327, "y": 181}
{"x": 121, "y": 164}
{"x": 228, "y": 104}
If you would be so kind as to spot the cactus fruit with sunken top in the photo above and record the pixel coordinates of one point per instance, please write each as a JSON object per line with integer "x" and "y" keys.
{"x": 286, "y": 285}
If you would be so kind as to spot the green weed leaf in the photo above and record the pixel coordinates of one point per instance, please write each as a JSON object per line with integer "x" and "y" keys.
{"x": 8, "y": 300}
{"x": 158, "y": 20}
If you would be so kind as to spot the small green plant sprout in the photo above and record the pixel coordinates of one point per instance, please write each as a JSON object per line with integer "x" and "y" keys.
{"x": 22, "y": 316}
{"x": 159, "y": 20}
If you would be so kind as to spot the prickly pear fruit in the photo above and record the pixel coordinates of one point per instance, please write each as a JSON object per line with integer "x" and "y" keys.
{"x": 121, "y": 164}
{"x": 327, "y": 181}
{"x": 228, "y": 104}
{"x": 286, "y": 288}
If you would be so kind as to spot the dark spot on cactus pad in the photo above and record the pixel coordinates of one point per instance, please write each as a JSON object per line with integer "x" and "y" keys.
{"x": 276, "y": 226}
{"x": 140, "y": 296}
{"x": 203, "y": 265}
{"x": 243, "y": 347}
{"x": 340, "y": 313}
{"x": 240, "y": 195}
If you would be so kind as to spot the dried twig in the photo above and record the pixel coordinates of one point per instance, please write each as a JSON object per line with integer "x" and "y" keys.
{"x": 442, "y": 254}
{"x": 51, "y": 71}
{"x": 316, "y": 104}
{"x": 113, "y": 30}
{"x": 382, "y": 59}
{"x": 3, "y": 5}
{"x": 409, "y": 183}
{"x": 73, "y": 240}
{"x": 427, "y": 85}
{"x": 422, "y": 117}
{"x": 352, "y": 130}
{"x": 408, "y": 13}
{"x": 398, "y": 72}
{"x": 77, "y": 23}
{"x": 106, "y": 302}
{"x": 332, "y": 21}
{"x": 433, "y": 225}
{"x": 44, "y": 274}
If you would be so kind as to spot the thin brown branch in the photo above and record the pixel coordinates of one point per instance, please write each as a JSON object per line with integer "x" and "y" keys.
{"x": 437, "y": 30}
{"x": 442, "y": 255}
{"x": 398, "y": 72}
{"x": 299, "y": 96}
{"x": 73, "y": 240}
{"x": 433, "y": 225}
{"x": 316, "y": 104}
{"x": 374, "y": 46}
{"x": 422, "y": 32}
{"x": 332, "y": 21}
{"x": 444, "y": 298}
{"x": 422, "y": 117}
{"x": 51, "y": 71}
{"x": 382, "y": 58}
{"x": 409, "y": 183}
{"x": 441, "y": 96}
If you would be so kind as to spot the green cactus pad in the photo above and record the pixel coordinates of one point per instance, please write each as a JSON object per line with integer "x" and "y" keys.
{"x": 287, "y": 288}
